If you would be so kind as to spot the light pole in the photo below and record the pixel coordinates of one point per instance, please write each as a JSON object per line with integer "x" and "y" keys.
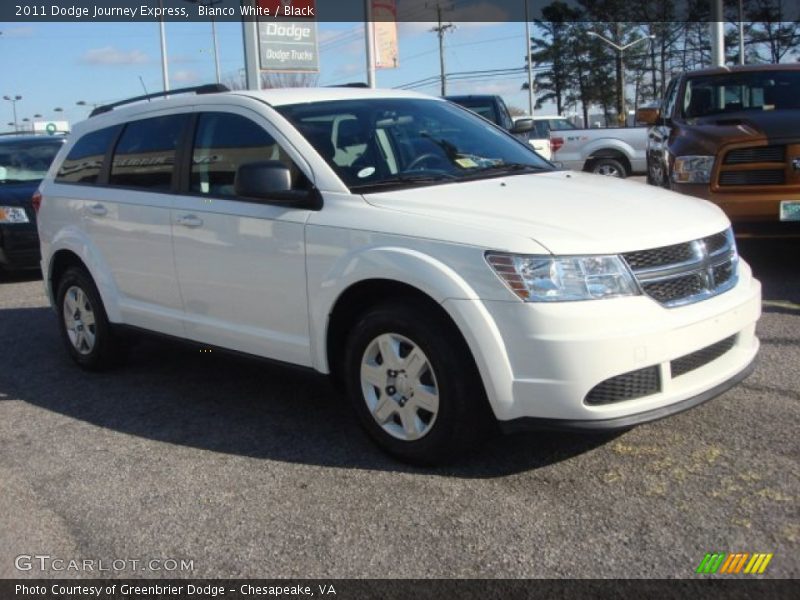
{"x": 623, "y": 116}
{"x": 13, "y": 100}
{"x": 163, "y": 34}
{"x": 211, "y": 3}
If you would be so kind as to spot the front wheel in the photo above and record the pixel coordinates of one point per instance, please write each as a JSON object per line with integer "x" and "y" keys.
{"x": 657, "y": 174}
{"x": 414, "y": 385}
{"x": 84, "y": 326}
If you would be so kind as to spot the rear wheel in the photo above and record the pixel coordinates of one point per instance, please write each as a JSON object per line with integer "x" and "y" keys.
{"x": 609, "y": 167}
{"x": 414, "y": 385}
{"x": 84, "y": 326}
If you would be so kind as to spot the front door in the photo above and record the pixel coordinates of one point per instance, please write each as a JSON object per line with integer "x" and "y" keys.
{"x": 240, "y": 263}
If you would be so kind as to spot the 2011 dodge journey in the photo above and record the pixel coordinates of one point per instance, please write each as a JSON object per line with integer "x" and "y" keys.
{"x": 444, "y": 273}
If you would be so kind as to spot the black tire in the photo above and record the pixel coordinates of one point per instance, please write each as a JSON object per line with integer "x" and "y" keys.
{"x": 657, "y": 174}
{"x": 609, "y": 167}
{"x": 462, "y": 417}
{"x": 106, "y": 348}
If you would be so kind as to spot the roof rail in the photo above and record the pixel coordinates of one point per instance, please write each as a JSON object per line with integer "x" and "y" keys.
{"x": 209, "y": 88}
{"x": 354, "y": 84}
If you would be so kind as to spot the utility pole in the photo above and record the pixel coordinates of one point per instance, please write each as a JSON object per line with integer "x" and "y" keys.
{"x": 440, "y": 31}
{"x": 530, "y": 65}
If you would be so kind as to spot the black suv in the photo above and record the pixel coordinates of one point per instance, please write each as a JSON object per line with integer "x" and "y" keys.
{"x": 24, "y": 161}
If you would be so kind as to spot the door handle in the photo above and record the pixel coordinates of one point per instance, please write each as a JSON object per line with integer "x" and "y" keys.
{"x": 190, "y": 221}
{"x": 98, "y": 210}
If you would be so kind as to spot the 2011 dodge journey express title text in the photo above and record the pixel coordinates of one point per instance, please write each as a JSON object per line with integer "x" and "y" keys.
{"x": 447, "y": 275}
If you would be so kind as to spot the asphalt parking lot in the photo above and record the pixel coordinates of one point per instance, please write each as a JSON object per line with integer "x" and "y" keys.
{"x": 248, "y": 469}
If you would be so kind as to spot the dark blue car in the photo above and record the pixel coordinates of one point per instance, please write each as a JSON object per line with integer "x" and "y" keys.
{"x": 24, "y": 160}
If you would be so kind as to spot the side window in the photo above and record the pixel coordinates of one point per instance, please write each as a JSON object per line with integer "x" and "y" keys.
{"x": 222, "y": 143}
{"x": 145, "y": 155}
{"x": 84, "y": 163}
{"x": 669, "y": 99}
{"x": 505, "y": 117}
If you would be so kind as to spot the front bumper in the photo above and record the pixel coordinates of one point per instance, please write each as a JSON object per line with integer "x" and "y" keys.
{"x": 540, "y": 361}
{"x": 602, "y": 425}
{"x": 761, "y": 205}
{"x": 19, "y": 246}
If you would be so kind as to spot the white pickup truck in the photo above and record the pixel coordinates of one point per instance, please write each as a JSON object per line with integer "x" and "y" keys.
{"x": 614, "y": 151}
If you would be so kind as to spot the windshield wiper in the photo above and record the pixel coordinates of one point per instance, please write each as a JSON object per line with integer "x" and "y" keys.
{"x": 396, "y": 180}
{"x": 504, "y": 169}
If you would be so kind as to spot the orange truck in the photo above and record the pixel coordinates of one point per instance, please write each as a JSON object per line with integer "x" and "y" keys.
{"x": 731, "y": 135}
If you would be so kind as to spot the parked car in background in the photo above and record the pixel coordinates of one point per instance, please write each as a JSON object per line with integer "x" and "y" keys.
{"x": 614, "y": 151}
{"x": 24, "y": 160}
{"x": 540, "y": 136}
{"x": 732, "y": 135}
{"x": 447, "y": 276}
{"x": 494, "y": 109}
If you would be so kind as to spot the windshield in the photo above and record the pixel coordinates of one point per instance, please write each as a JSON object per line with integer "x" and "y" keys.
{"x": 25, "y": 161}
{"x": 732, "y": 92}
{"x": 375, "y": 143}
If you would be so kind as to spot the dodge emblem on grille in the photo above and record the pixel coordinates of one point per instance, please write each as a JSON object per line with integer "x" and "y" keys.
{"x": 796, "y": 163}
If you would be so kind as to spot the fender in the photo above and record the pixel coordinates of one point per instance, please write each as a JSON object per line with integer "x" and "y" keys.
{"x": 430, "y": 276}
{"x": 608, "y": 144}
{"x": 411, "y": 267}
{"x": 73, "y": 239}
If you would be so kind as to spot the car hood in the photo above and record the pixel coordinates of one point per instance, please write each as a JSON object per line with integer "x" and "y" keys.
{"x": 747, "y": 126}
{"x": 566, "y": 212}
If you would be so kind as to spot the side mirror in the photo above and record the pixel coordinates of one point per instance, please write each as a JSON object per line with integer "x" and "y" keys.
{"x": 271, "y": 181}
{"x": 522, "y": 126}
{"x": 648, "y": 116}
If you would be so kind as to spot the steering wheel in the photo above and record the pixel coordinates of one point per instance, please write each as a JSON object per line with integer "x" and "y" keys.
{"x": 417, "y": 162}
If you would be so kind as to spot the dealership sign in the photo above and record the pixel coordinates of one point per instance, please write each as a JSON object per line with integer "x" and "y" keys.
{"x": 287, "y": 41}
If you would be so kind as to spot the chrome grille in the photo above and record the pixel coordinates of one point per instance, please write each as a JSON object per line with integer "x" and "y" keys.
{"x": 685, "y": 273}
{"x": 756, "y": 155}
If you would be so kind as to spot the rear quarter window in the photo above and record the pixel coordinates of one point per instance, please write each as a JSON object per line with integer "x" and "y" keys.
{"x": 85, "y": 160}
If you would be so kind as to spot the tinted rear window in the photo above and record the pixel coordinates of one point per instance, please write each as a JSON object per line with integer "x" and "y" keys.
{"x": 84, "y": 163}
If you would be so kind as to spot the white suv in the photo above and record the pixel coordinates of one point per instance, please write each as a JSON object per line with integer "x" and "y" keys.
{"x": 428, "y": 260}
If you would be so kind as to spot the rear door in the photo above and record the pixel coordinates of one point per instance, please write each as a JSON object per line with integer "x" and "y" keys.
{"x": 240, "y": 263}
{"x": 127, "y": 214}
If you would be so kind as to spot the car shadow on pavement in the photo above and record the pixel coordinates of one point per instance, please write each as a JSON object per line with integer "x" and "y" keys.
{"x": 213, "y": 401}
{"x": 19, "y": 276}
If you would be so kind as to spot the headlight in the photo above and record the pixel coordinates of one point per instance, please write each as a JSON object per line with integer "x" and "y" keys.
{"x": 13, "y": 214}
{"x": 565, "y": 278}
{"x": 692, "y": 169}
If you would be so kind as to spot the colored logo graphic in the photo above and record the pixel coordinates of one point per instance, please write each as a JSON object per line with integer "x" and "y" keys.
{"x": 734, "y": 564}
